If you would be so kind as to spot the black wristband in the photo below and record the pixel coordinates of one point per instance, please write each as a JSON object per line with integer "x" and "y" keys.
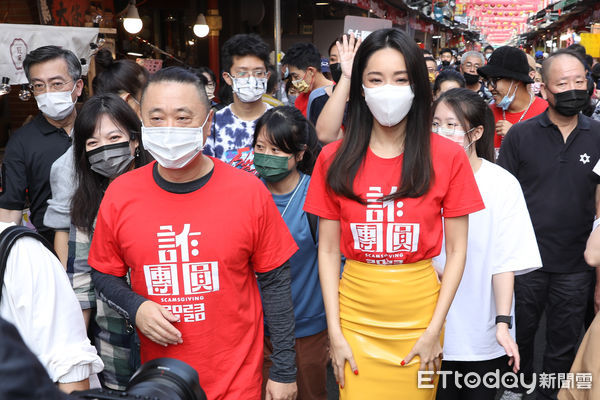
{"x": 507, "y": 319}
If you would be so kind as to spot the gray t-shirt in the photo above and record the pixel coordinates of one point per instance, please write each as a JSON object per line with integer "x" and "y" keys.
{"x": 62, "y": 184}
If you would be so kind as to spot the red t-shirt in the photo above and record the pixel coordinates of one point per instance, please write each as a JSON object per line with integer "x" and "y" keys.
{"x": 538, "y": 106}
{"x": 405, "y": 230}
{"x": 301, "y": 103}
{"x": 196, "y": 254}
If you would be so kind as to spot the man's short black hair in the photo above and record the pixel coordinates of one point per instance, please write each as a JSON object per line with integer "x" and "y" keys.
{"x": 179, "y": 75}
{"x": 560, "y": 52}
{"x": 302, "y": 56}
{"x": 445, "y": 50}
{"x": 488, "y": 47}
{"x": 47, "y": 53}
{"x": 241, "y": 45}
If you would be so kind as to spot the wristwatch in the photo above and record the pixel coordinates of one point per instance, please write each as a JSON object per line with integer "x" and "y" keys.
{"x": 507, "y": 319}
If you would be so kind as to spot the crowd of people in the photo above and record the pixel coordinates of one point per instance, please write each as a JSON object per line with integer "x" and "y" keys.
{"x": 400, "y": 220}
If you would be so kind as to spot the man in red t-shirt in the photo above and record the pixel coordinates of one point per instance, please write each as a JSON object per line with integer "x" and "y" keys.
{"x": 304, "y": 64}
{"x": 194, "y": 250}
{"x": 507, "y": 77}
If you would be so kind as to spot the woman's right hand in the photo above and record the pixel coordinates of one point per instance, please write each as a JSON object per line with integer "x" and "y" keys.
{"x": 340, "y": 353}
{"x": 347, "y": 50}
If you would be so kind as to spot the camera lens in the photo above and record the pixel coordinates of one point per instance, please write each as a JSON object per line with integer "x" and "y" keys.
{"x": 166, "y": 378}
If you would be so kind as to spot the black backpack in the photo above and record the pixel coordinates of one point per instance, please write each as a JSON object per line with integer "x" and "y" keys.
{"x": 8, "y": 238}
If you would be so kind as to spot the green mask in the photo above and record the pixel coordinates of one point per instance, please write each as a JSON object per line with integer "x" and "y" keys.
{"x": 271, "y": 168}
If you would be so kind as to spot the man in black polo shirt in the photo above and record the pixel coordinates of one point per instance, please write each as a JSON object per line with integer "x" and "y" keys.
{"x": 556, "y": 156}
{"x": 55, "y": 76}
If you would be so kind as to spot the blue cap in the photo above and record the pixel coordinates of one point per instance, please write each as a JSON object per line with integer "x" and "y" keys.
{"x": 539, "y": 54}
{"x": 324, "y": 65}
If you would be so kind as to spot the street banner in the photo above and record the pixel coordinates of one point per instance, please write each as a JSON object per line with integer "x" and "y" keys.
{"x": 17, "y": 40}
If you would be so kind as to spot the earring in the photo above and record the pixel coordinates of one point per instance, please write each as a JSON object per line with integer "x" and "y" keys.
{"x": 137, "y": 152}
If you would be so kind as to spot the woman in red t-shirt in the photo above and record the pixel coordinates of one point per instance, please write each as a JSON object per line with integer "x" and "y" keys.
{"x": 381, "y": 193}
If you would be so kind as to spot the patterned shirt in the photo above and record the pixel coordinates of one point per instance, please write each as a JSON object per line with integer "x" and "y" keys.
{"x": 113, "y": 335}
{"x": 230, "y": 139}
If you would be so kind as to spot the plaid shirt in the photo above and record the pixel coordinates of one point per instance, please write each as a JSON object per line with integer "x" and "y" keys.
{"x": 113, "y": 335}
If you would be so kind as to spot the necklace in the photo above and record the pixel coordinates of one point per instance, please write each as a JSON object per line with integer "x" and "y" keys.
{"x": 293, "y": 194}
{"x": 531, "y": 98}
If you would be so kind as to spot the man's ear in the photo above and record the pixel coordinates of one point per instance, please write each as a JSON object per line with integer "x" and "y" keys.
{"x": 543, "y": 91}
{"x": 227, "y": 78}
{"x": 207, "y": 125}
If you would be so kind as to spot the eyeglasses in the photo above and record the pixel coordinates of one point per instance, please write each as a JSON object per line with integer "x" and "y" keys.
{"x": 448, "y": 129}
{"x": 259, "y": 73}
{"x": 210, "y": 85}
{"x": 40, "y": 87}
{"x": 493, "y": 82}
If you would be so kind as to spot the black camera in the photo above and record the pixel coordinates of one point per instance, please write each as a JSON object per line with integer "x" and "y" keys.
{"x": 159, "y": 379}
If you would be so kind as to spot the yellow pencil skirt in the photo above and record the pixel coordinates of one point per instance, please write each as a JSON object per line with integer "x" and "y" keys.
{"x": 384, "y": 309}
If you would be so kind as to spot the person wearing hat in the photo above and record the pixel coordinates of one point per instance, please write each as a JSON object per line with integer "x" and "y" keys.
{"x": 555, "y": 156}
{"x": 507, "y": 76}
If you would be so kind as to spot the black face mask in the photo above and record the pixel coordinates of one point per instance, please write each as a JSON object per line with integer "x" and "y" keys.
{"x": 471, "y": 79}
{"x": 570, "y": 102}
{"x": 336, "y": 71}
{"x": 445, "y": 63}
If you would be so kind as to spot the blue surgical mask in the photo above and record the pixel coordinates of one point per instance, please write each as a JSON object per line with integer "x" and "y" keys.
{"x": 507, "y": 100}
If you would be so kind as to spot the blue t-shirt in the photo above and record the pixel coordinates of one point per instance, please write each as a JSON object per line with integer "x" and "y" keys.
{"x": 309, "y": 310}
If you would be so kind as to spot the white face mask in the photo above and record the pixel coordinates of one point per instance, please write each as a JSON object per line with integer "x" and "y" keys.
{"x": 389, "y": 104}
{"x": 173, "y": 147}
{"x": 56, "y": 105}
{"x": 249, "y": 89}
{"x": 457, "y": 136}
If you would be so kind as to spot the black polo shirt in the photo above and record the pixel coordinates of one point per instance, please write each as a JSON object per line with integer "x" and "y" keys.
{"x": 29, "y": 154}
{"x": 558, "y": 183}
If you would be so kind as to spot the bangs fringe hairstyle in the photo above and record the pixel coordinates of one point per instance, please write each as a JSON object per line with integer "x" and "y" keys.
{"x": 90, "y": 186}
{"x": 471, "y": 111}
{"x": 286, "y": 128}
{"x": 417, "y": 170}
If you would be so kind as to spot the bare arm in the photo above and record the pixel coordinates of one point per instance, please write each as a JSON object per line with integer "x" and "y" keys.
{"x": 61, "y": 246}
{"x": 428, "y": 347}
{"x": 330, "y": 120}
{"x": 503, "y": 285}
{"x": 592, "y": 248}
{"x": 73, "y": 386}
{"x": 11, "y": 216}
{"x": 329, "y": 275}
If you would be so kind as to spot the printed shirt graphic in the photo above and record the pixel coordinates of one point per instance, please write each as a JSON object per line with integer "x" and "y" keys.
{"x": 196, "y": 254}
{"x": 230, "y": 139}
{"x": 404, "y": 230}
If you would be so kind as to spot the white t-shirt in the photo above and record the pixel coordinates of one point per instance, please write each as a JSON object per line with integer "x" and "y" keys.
{"x": 501, "y": 239}
{"x": 38, "y": 299}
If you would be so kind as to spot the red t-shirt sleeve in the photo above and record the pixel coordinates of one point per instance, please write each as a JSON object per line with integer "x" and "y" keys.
{"x": 463, "y": 195}
{"x": 320, "y": 199}
{"x": 274, "y": 243}
{"x": 105, "y": 254}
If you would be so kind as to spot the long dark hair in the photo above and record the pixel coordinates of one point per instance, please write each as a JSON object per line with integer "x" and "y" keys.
{"x": 417, "y": 170}
{"x": 471, "y": 111}
{"x": 91, "y": 185}
{"x": 286, "y": 128}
